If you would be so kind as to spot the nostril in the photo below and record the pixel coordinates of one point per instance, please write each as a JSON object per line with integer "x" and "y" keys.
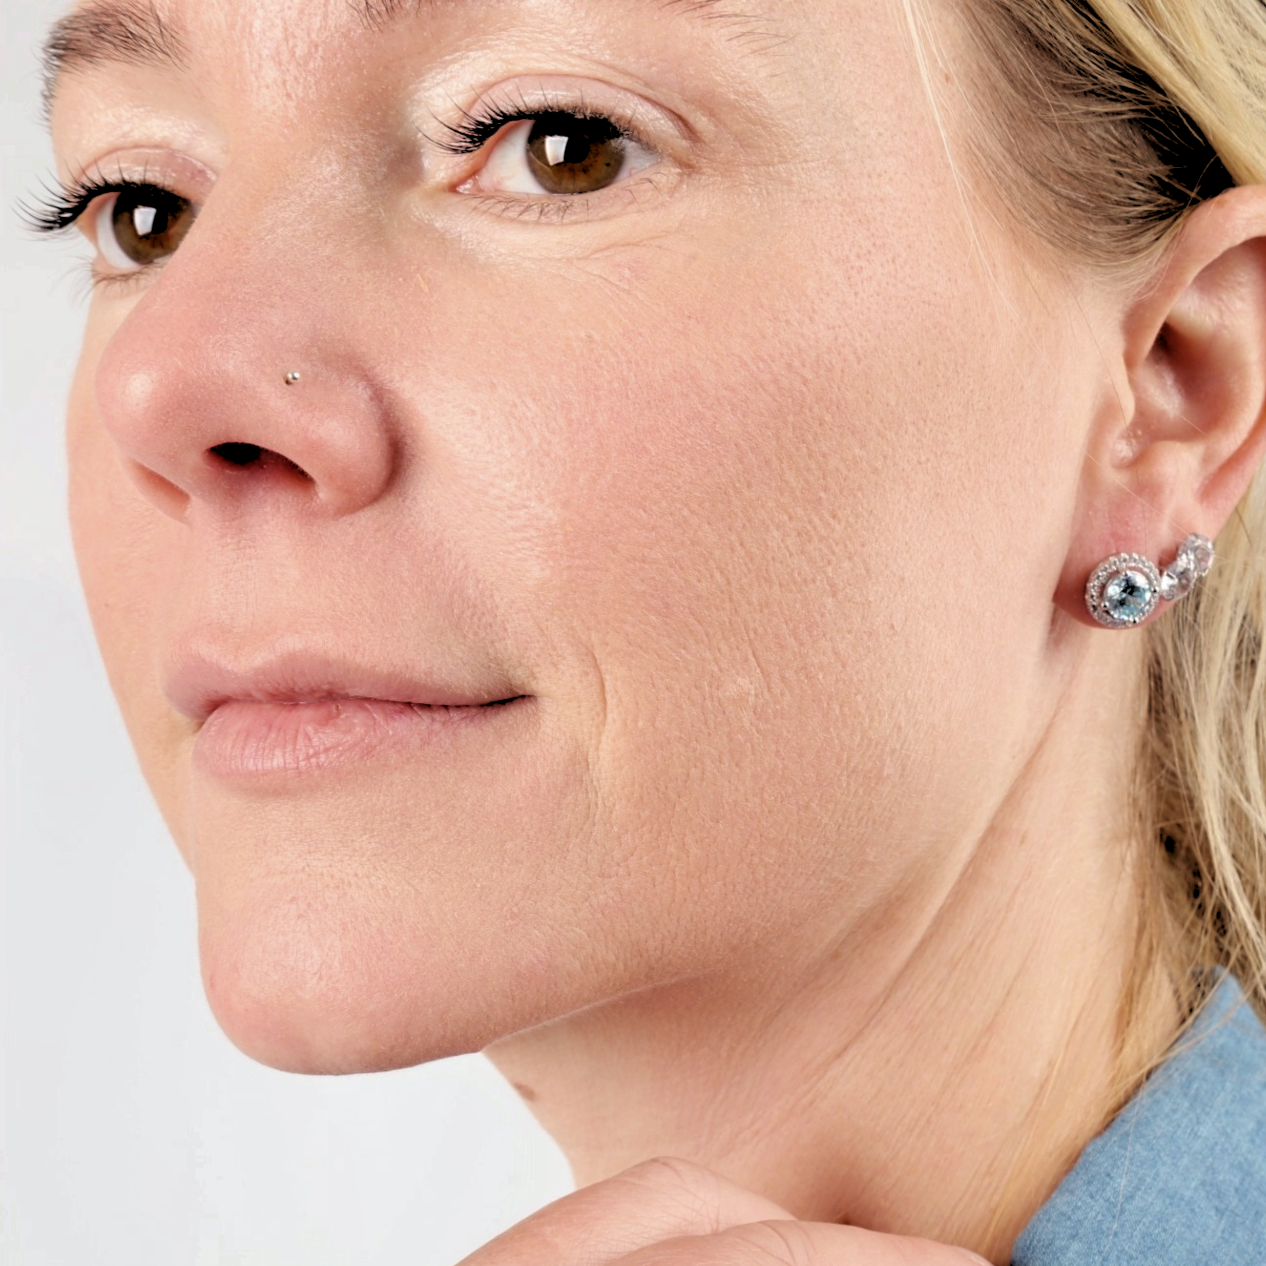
{"x": 239, "y": 454}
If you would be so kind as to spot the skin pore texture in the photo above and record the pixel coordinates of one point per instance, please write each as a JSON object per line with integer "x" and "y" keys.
{"x": 754, "y": 494}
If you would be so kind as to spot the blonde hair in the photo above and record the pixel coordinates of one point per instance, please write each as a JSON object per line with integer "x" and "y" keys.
{"x": 1111, "y": 120}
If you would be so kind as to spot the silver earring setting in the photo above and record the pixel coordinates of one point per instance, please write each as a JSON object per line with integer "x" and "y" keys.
{"x": 292, "y": 378}
{"x": 1124, "y": 590}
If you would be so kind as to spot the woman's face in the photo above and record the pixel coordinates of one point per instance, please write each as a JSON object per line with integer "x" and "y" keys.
{"x": 689, "y": 453}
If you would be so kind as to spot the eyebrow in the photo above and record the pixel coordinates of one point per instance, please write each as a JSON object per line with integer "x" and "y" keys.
{"x": 124, "y": 33}
{"x": 129, "y": 33}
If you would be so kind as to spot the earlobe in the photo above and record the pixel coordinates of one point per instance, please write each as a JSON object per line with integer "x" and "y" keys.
{"x": 1182, "y": 449}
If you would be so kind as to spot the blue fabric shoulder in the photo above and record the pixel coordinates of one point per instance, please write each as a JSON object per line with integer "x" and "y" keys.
{"x": 1179, "y": 1177}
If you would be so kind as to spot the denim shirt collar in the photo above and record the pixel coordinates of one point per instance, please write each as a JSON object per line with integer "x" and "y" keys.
{"x": 1179, "y": 1177}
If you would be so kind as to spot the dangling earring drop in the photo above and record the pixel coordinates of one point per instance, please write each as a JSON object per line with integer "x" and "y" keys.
{"x": 1124, "y": 590}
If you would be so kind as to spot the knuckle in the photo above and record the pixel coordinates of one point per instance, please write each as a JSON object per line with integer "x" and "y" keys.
{"x": 758, "y": 1244}
{"x": 689, "y": 1187}
{"x": 701, "y": 1253}
{"x": 778, "y": 1244}
{"x": 669, "y": 1171}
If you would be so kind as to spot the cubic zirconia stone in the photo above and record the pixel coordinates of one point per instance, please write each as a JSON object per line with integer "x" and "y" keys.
{"x": 1178, "y": 578}
{"x": 1200, "y": 550}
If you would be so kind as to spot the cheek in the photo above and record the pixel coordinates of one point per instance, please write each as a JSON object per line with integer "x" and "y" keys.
{"x": 773, "y": 523}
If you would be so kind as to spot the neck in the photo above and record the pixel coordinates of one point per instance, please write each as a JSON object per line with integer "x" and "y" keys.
{"x": 933, "y": 1068}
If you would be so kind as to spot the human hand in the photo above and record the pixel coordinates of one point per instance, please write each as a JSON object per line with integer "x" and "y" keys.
{"x": 672, "y": 1213}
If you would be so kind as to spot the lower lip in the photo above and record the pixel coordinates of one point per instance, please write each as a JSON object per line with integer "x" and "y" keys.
{"x": 250, "y": 739}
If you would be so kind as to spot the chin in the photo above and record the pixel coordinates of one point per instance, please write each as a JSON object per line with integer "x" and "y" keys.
{"x": 385, "y": 917}
{"x": 317, "y": 983}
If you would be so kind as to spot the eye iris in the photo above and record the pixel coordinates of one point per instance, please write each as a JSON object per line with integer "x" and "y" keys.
{"x": 149, "y": 224}
{"x": 568, "y": 154}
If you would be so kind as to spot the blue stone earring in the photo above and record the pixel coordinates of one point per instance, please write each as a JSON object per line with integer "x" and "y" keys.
{"x": 1124, "y": 590}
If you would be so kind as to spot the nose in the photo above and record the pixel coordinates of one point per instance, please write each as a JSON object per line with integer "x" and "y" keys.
{"x": 220, "y": 394}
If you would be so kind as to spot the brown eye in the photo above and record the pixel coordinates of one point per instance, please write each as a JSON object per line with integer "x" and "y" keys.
{"x": 142, "y": 226}
{"x": 572, "y": 155}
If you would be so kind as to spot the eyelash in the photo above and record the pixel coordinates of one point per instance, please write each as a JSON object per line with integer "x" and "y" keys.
{"x": 480, "y": 126}
{"x": 61, "y": 209}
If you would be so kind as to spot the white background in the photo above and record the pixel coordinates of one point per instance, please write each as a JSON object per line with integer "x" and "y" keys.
{"x": 132, "y": 1133}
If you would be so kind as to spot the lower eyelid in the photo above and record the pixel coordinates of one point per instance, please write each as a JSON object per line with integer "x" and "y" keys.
{"x": 557, "y": 208}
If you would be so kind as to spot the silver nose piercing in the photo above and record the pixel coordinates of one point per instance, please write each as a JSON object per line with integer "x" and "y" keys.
{"x": 292, "y": 377}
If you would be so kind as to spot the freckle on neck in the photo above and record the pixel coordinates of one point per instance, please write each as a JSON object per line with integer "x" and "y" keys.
{"x": 527, "y": 1093}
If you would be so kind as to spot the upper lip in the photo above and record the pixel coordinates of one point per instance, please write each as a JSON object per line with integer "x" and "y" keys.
{"x": 198, "y": 684}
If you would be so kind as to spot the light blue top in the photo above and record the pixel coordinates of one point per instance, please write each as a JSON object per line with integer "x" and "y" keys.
{"x": 1179, "y": 1177}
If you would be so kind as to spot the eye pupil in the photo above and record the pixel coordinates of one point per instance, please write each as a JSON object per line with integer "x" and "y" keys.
{"x": 148, "y": 224}
{"x": 570, "y": 154}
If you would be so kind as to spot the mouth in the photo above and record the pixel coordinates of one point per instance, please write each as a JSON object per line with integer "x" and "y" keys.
{"x": 302, "y": 715}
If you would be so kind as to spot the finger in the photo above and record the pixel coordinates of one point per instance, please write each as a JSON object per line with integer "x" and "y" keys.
{"x": 783, "y": 1243}
{"x": 658, "y": 1200}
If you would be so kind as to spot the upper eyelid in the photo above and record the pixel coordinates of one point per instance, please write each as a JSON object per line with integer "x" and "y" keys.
{"x": 515, "y": 101}
{"x": 476, "y": 131}
{"x": 64, "y": 198}
{"x": 62, "y": 203}
{"x": 65, "y": 206}
{"x": 474, "y": 136}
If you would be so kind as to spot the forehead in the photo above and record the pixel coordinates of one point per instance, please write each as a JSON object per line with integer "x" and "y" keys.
{"x": 101, "y": 33}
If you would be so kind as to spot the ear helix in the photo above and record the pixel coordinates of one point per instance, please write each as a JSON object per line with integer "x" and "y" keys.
{"x": 1125, "y": 589}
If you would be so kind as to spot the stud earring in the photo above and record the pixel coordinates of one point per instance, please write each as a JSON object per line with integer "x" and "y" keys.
{"x": 293, "y": 377}
{"x": 1124, "y": 590}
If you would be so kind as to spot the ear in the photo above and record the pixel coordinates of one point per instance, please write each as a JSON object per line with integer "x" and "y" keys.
{"x": 1186, "y": 430}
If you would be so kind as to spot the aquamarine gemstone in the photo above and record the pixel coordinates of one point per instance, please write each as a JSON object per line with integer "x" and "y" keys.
{"x": 1128, "y": 597}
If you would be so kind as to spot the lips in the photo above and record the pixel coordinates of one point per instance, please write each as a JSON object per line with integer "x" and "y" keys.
{"x": 198, "y": 685}
{"x": 302, "y": 714}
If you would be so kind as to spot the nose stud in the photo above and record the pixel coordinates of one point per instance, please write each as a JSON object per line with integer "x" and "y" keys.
{"x": 293, "y": 377}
